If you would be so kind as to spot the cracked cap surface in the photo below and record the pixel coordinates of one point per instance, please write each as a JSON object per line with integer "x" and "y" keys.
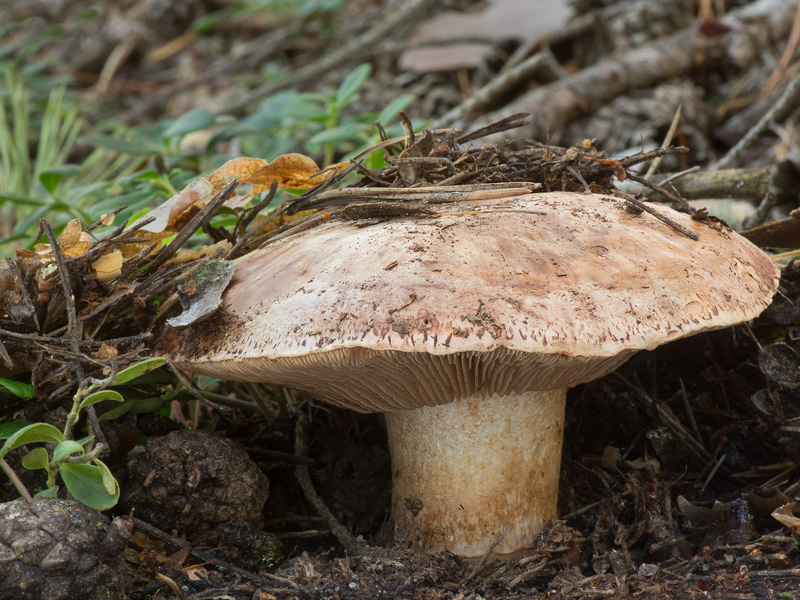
{"x": 528, "y": 293}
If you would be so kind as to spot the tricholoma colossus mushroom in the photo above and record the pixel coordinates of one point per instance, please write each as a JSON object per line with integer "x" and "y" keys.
{"x": 467, "y": 330}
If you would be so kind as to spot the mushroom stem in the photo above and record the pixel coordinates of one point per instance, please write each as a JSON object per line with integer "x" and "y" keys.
{"x": 471, "y": 471}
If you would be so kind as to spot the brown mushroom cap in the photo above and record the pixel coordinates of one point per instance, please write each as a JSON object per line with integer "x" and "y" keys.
{"x": 530, "y": 293}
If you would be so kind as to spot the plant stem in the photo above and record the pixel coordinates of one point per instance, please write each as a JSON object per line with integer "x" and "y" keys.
{"x": 72, "y": 417}
{"x": 23, "y": 491}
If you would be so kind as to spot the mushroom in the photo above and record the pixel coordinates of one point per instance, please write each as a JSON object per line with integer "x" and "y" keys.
{"x": 466, "y": 330}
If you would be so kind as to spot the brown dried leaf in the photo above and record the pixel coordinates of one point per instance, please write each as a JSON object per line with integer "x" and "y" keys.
{"x": 106, "y": 352}
{"x": 244, "y": 168}
{"x": 176, "y": 559}
{"x": 171, "y": 214}
{"x": 43, "y": 251}
{"x": 616, "y": 166}
{"x": 699, "y": 515}
{"x": 109, "y": 266}
{"x": 777, "y": 234}
{"x": 786, "y": 516}
{"x": 74, "y": 241}
{"x": 764, "y": 500}
{"x": 289, "y": 170}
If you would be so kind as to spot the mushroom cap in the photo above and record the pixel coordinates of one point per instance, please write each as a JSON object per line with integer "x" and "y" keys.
{"x": 534, "y": 292}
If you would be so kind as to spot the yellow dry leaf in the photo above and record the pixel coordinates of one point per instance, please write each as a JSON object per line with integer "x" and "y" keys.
{"x": 109, "y": 266}
{"x": 71, "y": 234}
{"x": 185, "y": 256}
{"x": 289, "y": 170}
{"x": 243, "y": 168}
{"x": 107, "y": 219}
{"x": 74, "y": 241}
{"x": 43, "y": 251}
{"x": 786, "y": 514}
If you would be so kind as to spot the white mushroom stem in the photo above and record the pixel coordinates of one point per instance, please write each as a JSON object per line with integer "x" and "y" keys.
{"x": 467, "y": 473}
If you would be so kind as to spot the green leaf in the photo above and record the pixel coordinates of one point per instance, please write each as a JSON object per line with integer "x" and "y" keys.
{"x": 84, "y": 441}
{"x": 52, "y": 177}
{"x": 118, "y": 145}
{"x": 100, "y": 396}
{"x": 136, "y": 406}
{"x": 22, "y": 199}
{"x": 65, "y": 448}
{"x": 134, "y": 371}
{"x": 50, "y": 492}
{"x": 18, "y": 388}
{"x": 194, "y": 120}
{"x": 37, "y": 432}
{"x": 9, "y": 429}
{"x": 111, "y": 485}
{"x": 342, "y": 133}
{"x": 117, "y": 411}
{"x": 147, "y": 405}
{"x": 36, "y": 459}
{"x": 352, "y": 83}
{"x": 85, "y": 483}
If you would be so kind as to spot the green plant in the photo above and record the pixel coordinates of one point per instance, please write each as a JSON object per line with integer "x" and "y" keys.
{"x": 27, "y": 184}
{"x": 86, "y": 477}
{"x": 316, "y": 122}
{"x": 37, "y": 138}
{"x": 299, "y": 10}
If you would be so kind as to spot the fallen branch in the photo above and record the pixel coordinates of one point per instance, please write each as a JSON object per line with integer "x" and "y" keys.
{"x": 554, "y": 105}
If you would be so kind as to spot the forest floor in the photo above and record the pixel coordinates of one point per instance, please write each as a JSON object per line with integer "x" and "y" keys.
{"x": 673, "y": 466}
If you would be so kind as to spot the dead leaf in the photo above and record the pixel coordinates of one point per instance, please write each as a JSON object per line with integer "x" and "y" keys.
{"x": 765, "y": 500}
{"x": 43, "y": 252}
{"x": 293, "y": 171}
{"x": 176, "y": 559}
{"x": 106, "y": 352}
{"x": 616, "y": 166}
{"x": 74, "y": 241}
{"x": 244, "y": 194}
{"x": 255, "y": 175}
{"x": 109, "y": 266}
{"x": 777, "y": 234}
{"x": 786, "y": 516}
{"x": 417, "y": 148}
{"x": 699, "y": 515}
{"x": 611, "y": 456}
{"x": 167, "y": 214}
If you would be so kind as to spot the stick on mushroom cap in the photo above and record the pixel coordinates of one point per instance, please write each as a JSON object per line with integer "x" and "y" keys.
{"x": 530, "y": 294}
